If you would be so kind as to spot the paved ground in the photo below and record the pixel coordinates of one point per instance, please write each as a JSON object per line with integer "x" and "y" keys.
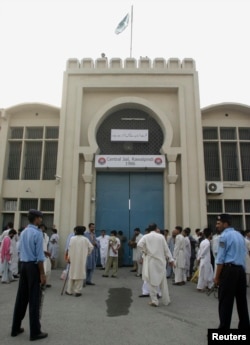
{"x": 111, "y": 313}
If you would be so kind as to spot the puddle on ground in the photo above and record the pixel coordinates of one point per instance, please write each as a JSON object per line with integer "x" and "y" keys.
{"x": 119, "y": 301}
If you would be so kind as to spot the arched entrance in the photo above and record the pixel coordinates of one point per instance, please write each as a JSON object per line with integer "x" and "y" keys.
{"x": 129, "y": 196}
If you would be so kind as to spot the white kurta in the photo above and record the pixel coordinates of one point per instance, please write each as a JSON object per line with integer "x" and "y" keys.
{"x": 187, "y": 253}
{"x": 155, "y": 252}
{"x": 104, "y": 245}
{"x": 248, "y": 257}
{"x": 180, "y": 258}
{"x": 79, "y": 248}
{"x": 205, "y": 268}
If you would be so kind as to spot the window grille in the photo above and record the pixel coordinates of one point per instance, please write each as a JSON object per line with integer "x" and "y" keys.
{"x": 47, "y": 205}
{"x": 245, "y": 161}
{"x": 16, "y": 132}
{"x": 52, "y": 132}
{"x": 247, "y": 222}
{"x": 34, "y": 132}
{"x": 48, "y": 220}
{"x": 10, "y": 205}
{"x": 247, "y": 206}
{"x": 27, "y": 204}
{"x": 130, "y": 119}
{"x": 50, "y": 160}
{"x": 214, "y": 206}
{"x": 24, "y": 220}
{"x": 15, "y": 151}
{"x": 212, "y": 164}
{"x": 244, "y": 133}
{"x": 233, "y": 206}
{"x": 7, "y": 218}
{"x": 237, "y": 222}
{"x": 228, "y": 133}
{"x": 210, "y": 133}
{"x": 229, "y": 161}
{"x": 211, "y": 221}
{"x": 33, "y": 155}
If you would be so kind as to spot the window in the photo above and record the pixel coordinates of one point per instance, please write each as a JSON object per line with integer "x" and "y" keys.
{"x": 47, "y": 205}
{"x": 27, "y": 204}
{"x": 15, "y": 152}
{"x": 33, "y": 156}
{"x": 50, "y": 160}
{"x": 239, "y": 209}
{"x": 10, "y": 205}
{"x": 212, "y": 162}
{"x": 227, "y": 153}
{"x": 32, "y": 153}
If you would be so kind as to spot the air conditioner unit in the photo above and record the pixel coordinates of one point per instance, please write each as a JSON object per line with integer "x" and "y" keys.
{"x": 215, "y": 187}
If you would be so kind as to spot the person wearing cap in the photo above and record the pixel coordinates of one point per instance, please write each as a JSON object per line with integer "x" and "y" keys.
{"x": 32, "y": 277}
{"x": 230, "y": 274}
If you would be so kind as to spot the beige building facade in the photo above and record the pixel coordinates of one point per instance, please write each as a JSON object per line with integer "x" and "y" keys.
{"x": 129, "y": 146}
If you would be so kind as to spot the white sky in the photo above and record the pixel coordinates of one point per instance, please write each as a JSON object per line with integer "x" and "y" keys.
{"x": 38, "y": 36}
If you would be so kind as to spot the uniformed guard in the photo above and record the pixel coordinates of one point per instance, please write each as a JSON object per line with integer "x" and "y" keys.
{"x": 230, "y": 274}
{"x": 31, "y": 278}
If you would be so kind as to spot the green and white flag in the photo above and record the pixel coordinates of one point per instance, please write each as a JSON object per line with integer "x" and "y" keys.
{"x": 122, "y": 25}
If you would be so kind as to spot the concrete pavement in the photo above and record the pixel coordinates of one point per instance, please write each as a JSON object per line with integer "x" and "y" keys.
{"x": 111, "y": 313}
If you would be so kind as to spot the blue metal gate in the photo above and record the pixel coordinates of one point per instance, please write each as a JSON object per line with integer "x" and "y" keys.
{"x": 127, "y": 200}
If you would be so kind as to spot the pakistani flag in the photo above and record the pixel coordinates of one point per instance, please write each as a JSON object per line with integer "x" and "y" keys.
{"x": 122, "y": 25}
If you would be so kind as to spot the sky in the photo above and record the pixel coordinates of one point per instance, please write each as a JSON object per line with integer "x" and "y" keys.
{"x": 37, "y": 37}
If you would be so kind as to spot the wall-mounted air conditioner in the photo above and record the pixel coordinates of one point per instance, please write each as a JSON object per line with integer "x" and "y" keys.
{"x": 215, "y": 187}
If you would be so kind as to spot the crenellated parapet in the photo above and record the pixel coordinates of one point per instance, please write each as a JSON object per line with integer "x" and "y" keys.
{"x": 144, "y": 64}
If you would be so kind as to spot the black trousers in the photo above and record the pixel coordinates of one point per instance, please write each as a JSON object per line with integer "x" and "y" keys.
{"x": 28, "y": 293}
{"x": 233, "y": 285}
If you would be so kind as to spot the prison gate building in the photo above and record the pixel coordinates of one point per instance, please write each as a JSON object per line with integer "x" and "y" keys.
{"x": 129, "y": 146}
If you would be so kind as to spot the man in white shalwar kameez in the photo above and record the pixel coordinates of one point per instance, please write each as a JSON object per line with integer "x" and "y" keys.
{"x": 155, "y": 253}
{"x": 79, "y": 249}
{"x": 206, "y": 274}
{"x": 187, "y": 253}
{"x": 179, "y": 257}
{"x": 104, "y": 246}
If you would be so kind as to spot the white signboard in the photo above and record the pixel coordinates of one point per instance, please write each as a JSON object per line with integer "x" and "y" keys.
{"x": 130, "y": 161}
{"x": 129, "y": 135}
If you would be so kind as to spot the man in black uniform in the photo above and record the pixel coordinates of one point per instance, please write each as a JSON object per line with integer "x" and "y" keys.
{"x": 230, "y": 274}
{"x": 31, "y": 278}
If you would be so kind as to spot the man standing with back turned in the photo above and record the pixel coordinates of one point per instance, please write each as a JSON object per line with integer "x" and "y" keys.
{"x": 32, "y": 275}
{"x": 230, "y": 274}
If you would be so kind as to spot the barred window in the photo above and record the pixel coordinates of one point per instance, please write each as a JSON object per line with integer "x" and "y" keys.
{"x": 10, "y": 205}
{"x": 16, "y": 132}
{"x": 50, "y": 160}
{"x": 210, "y": 133}
{"x": 15, "y": 152}
{"x": 247, "y": 206}
{"x": 214, "y": 206}
{"x": 34, "y": 157}
{"x": 34, "y": 132}
{"x": 228, "y": 133}
{"x": 7, "y": 218}
{"x": 244, "y": 133}
{"x": 47, "y": 205}
{"x": 32, "y": 163}
{"x": 227, "y": 157}
{"x": 230, "y": 161}
{"x": 233, "y": 206}
{"x": 52, "y": 133}
{"x": 27, "y": 204}
{"x": 245, "y": 161}
{"x": 212, "y": 163}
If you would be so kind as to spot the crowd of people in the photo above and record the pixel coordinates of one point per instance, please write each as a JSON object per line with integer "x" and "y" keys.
{"x": 9, "y": 252}
{"x": 204, "y": 258}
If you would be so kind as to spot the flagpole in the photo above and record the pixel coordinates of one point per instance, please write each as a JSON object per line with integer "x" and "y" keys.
{"x": 131, "y": 32}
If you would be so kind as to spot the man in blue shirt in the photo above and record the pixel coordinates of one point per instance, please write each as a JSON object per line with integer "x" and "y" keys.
{"x": 230, "y": 273}
{"x": 32, "y": 277}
